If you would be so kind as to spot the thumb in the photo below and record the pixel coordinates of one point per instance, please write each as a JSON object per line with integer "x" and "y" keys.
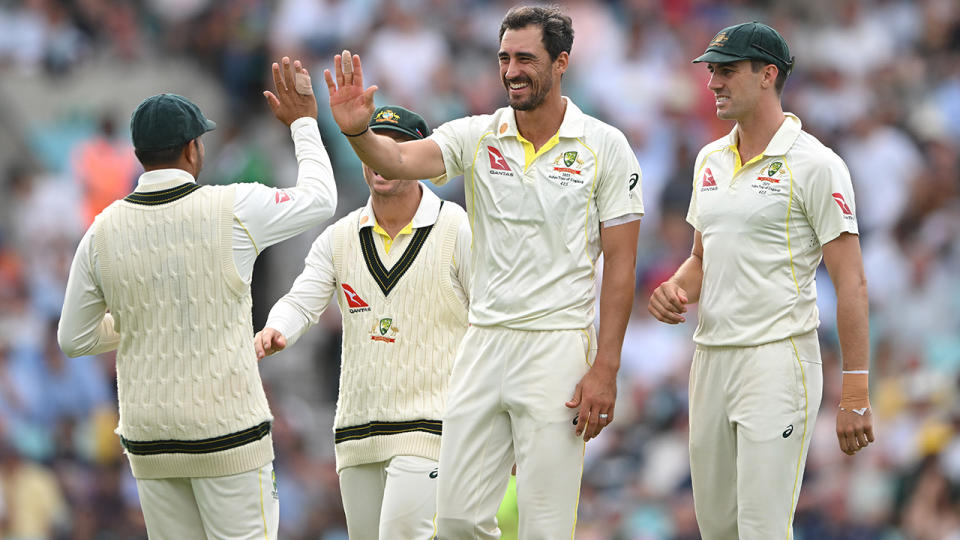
{"x": 279, "y": 342}
{"x": 272, "y": 101}
{"x": 682, "y": 296}
{"x": 368, "y": 95}
{"x": 577, "y": 393}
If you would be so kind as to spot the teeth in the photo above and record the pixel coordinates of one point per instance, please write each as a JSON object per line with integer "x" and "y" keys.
{"x": 517, "y": 86}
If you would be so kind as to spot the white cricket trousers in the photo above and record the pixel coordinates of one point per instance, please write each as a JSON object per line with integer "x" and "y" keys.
{"x": 505, "y": 404}
{"x": 241, "y": 506}
{"x": 752, "y": 411}
{"x": 392, "y": 499}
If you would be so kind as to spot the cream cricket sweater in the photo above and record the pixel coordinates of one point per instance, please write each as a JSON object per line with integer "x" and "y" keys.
{"x": 401, "y": 330}
{"x": 191, "y": 400}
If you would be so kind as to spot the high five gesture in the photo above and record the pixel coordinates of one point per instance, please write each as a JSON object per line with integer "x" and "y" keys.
{"x": 350, "y": 103}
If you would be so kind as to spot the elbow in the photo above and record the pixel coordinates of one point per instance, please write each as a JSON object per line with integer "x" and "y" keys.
{"x": 69, "y": 346}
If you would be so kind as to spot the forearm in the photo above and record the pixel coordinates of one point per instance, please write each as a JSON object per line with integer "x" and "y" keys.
{"x": 853, "y": 327}
{"x": 77, "y": 339}
{"x": 689, "y": 277}
{"x": 388, "y": 158}
{"x": 314, "y": 171}
{"x": 616, "y": 301}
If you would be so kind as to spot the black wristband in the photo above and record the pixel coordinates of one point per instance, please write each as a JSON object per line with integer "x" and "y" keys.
{"x": 356, "y": 134}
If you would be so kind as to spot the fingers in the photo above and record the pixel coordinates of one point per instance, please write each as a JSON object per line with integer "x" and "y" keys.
{"x": 663, "y": 313}
{"x": 331, "y": 86}
{"x": 258, "y": 345}
{"x": 357, "y": 71}
{"x": 287, "y": 73}
{"x": 346, "y": 60}
{"x": 278, "y": 82}
{"x": 338, "y": 69}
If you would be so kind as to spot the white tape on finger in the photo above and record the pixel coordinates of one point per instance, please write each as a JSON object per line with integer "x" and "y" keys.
{"x": 346, "y": 61}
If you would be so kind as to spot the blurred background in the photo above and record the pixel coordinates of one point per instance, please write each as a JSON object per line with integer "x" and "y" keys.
{"x": 876, "y": 80}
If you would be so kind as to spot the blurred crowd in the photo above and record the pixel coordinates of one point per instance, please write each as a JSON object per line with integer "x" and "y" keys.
{"x": 876, "y": 80}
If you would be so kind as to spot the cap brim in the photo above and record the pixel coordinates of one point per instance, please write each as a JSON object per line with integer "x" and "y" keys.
{"x": 210, "y": 124}
{"x": 405, "y": 131}
{"x": 716, "y": 57}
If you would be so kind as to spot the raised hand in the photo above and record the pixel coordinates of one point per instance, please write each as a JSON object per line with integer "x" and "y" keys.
{"x": 350, "y": 104}
{"x": 288, "y": 103}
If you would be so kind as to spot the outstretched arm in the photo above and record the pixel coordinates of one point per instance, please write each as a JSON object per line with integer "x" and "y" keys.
{"x": 352, "y": 107}
{"x": 845, "y": 265}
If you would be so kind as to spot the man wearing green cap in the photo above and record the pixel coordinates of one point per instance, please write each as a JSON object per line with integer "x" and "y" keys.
{"x": 399, "y": 268}
{"x": 769, "y": 202}
{"x": 163, "y": 276}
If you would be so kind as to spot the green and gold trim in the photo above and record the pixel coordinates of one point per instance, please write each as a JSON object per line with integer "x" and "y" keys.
{"x": 163, "y": 196}
{"x": 202, "y": 446}
{"x": 388, "y": 279}
{"x": 371, "y": 429}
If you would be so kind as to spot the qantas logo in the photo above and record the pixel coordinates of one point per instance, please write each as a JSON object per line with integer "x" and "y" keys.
{"x": 708, "y": 183}
{"x": 497, "y": 163}
{"x": 353, "y": 299}
{"x": 281, "y": 196}
{"x": 843, "y": 204}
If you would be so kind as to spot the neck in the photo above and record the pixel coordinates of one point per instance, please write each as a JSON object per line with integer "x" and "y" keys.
{"x": 394, "y": 212}
{"x": 538, "y": 125}
{"x": 755, "y": 131}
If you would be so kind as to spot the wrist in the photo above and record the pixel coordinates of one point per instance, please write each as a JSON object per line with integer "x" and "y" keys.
{"x": 365, "y": 129}
{"x": 855, "y": 389}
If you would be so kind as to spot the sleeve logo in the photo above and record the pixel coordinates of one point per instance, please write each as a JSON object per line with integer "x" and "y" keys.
{"x": 843, "y": 204}
{"x": 281, "y": 197}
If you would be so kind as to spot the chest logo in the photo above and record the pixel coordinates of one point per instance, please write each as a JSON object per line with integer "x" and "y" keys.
{"x": 774, "y": 167}
{"x": 384, "y": 330}
{"x": 354, "y": 302}
{"x": 569, "y": 159}
{"x": 844, "y": 207}
{"x": 497, "y": 162}
{"x": 708, "y": 183}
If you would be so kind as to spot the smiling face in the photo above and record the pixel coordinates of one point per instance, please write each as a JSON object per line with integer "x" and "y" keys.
{"x": 736, "y": 87}
{"x": 526, "y": 70}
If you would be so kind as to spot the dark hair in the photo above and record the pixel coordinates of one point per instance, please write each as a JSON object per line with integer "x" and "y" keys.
{"x": 164, "y": 156}
{"x": 782, "y": 73}
{"x": 557, "y": 28}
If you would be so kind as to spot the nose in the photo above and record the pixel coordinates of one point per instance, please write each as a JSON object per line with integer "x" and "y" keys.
{"x": 512, "y": 69}
{"x": 713, "y": 83}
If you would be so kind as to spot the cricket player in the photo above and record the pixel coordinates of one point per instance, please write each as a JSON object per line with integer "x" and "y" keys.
{"x": 548, "y": 189}
{"x": 769, "y": 201}
{"x": 163, "y": 276}
{"x": 399, "y": 268}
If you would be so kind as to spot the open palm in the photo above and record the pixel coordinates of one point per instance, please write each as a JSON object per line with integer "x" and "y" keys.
{"x": 350, "y": 104}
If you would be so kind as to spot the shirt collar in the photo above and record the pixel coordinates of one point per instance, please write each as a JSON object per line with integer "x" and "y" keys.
{"x": 426, "y": 214}
{"x": 161, "y": 179}
{"x": 571, "y": 127}
{"x": 782, "y": 140}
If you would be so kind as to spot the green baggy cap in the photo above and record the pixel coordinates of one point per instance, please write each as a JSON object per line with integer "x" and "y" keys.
{"x": 748, "y": 41}
{"x": 167, "y": 121}
{"x": 396, "y": 118}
